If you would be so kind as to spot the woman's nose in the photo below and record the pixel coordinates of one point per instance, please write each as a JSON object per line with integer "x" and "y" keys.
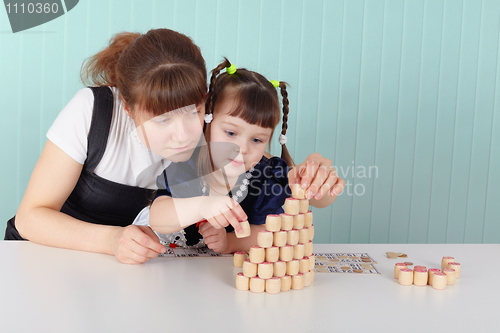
{"x": 181, "y": 133}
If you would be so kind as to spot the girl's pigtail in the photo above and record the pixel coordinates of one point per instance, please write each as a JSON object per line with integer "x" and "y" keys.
{"x": 100, "y": 69}
{"x": 210, "y": 97}
{"x": 284, "y": 151}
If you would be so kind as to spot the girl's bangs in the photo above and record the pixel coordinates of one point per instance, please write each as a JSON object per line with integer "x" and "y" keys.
{"x": 253, "y": 107}
{"x": 168, "y": 88}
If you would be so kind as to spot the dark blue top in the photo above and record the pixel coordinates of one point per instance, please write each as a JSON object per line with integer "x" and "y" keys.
{"x": 267, "y": 188}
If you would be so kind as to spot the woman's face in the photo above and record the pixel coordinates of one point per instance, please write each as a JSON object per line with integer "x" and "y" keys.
{"x": 174, "y": 134}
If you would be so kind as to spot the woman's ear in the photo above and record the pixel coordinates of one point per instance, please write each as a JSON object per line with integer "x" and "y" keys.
{"x": 125, "y": 106}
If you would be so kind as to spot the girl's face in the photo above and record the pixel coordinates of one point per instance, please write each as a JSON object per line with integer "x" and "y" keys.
{"x": 249, "y": 141}
{"x": 174, "y": 134}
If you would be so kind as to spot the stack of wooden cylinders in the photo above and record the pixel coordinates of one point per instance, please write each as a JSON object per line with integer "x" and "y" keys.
{"x": 283, "y": 257}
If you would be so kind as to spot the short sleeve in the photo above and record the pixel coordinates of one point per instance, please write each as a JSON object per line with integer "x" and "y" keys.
{"x": 268, "y": 190}
{"x": 70, "y": 130}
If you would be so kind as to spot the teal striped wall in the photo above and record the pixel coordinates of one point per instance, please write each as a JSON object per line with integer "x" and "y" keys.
{"x": 402, "y": 96}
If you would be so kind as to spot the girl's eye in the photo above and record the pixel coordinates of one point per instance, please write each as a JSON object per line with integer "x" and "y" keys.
{"x": 230, "y": 133}
{"x": 257, "y": 140}
{"x": 195, "y": 112}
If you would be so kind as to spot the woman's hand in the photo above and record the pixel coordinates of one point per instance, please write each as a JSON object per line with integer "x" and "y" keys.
{"x": 318, "y": 178}
{"x": 136, "y": 244}
{"x": 215, "y": 239}
{"x": 220, "y": 211}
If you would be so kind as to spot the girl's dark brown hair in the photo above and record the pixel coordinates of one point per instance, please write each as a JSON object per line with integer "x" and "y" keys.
{"x": 156, "y": 72}
{"x": 256, "y": 100}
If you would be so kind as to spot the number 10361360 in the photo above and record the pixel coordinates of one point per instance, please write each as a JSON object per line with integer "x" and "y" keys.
{"x": 32, "y": 8}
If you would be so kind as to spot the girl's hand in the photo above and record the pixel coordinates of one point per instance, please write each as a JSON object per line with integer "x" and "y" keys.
{"x": 136, "y": 244}
{"x": 220, "y": 211}
{"x": 317, "y": 177}
{"x": 216, "y": 239}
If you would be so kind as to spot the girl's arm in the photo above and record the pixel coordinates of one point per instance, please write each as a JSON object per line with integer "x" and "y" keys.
{"x": 39, "y": 219}
{"x": 170, "y": 215}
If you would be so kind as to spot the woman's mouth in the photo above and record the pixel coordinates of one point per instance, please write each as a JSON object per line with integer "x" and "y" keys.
{"x": 236, "y": 163}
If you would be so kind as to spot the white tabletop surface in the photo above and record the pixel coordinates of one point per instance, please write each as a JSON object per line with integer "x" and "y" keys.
{"x": 44, "y": 289}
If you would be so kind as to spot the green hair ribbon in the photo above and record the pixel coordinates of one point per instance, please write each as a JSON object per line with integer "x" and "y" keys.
{"x": 231, "y": 69}
{"x": 275, "y": 83}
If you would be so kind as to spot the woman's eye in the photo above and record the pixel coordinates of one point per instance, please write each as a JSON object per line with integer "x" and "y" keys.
{"x": 163, "y": 121}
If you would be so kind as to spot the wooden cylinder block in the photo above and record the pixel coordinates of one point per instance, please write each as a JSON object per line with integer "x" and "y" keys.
{"x": 292, "y": 267}
{"x": 399, "y": 266}
{"x": 298, "y": 221}
{"x": 239, "y": 258}
{"x": 242, "y": 282}
{"x": 405, "y": 277}
{"x": 312, "y": 261}
{"x": 298, "y": 281}
{"x": 311, "y": 232}
{"x": 286, "y": 222}
{"x": 298, "y": 251}
{"x": 280, "y": 238}
{"x": 439, "y": 281}
{"x": 450, "y": 276}
{"x": 456, "y": 267}
{"x": 304, "y": 236}
{"x": 257, "y": 254}
{"x": 420, "y": 277}
{"x": 273, "y": 285}
{"x": 307, "y": 278}
{"x": 292, "y": 237}
{"x": 303, "y": 206}
{"x": 265, "y": 238}
{"x": 272, "y": 254}
{"x": 430, "y": 274}
{"x": 292, "y": 206}
{"x": 279, "y": 268}
{"x": 297, "y": 191}
{"x": 286, "y": 253}
{"x": 445, "y": 261}
{"x": 257, "y": 285}
{"x": 249, "y": 269}
{"x": 286, "y": 283}
{"x": 312, "y": 275}
{"x": 419, "y": 267}
{"x": 246, "y": 230}
{"x": 308, "y": 219}
{"x": 273, "y": 222}
{"x": 265, "y": 270}
{"x": 304, "y": 265}
{"x": 308, "y": 248}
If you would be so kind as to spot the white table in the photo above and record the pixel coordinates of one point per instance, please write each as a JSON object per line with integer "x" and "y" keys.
{"x": 44, "y": 289}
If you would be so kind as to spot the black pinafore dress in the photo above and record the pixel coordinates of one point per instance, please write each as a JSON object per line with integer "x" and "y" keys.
{"x": 95, "y": 199}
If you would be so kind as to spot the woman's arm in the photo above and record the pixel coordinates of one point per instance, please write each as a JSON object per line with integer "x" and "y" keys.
{"x": 39, "y": 219}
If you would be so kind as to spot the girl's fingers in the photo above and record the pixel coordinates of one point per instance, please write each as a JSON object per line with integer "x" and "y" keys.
{"x": 233, "y": 220}
{"x": 338, "y": 187}
{"x": 327, "y": 185}
{"x": 213, "y": 222}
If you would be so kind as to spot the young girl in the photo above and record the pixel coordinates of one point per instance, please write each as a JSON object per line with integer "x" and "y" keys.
{"x": 245, "y": 110}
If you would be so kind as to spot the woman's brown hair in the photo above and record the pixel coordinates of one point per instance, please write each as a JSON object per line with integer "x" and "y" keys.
{"x": 157, "y": 72}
